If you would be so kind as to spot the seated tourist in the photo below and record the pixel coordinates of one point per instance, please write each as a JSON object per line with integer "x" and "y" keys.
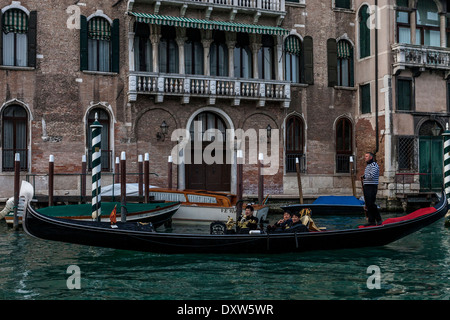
{"x": 281, "y": 224}
{"x": 248, "y": 221}
{"x": 297, "y": 225}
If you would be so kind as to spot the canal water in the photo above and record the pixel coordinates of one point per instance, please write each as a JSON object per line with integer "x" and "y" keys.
{"x": 416, "y": 267}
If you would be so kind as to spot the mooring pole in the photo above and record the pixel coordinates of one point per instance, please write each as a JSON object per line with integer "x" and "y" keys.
{"x": 83, "y": 178}
{"x": 96, "y": 128}
{"x": 240, "y": 186}
{"x": 446, "y": 135}
{"x": 299, "y": 180}
{"x": 51, "y": 178}
{"x": 146, "y": 177}
{"x": 260, "y": 179}
{"x": 352, "y": 172}
{"x": 140, "y": 176}
{"x": 117, "y": 170}
{"x": 16, "y": 189}
{"x": 123, "y": 187}
{"x": 169, "y": 173}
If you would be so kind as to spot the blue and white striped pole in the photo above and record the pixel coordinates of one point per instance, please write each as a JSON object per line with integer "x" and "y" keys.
{"x": 446, "y": 135}
{"x": 96, "y": 128}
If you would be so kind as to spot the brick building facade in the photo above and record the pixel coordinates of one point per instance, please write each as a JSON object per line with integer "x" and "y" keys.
{"x": 305, "y": 68}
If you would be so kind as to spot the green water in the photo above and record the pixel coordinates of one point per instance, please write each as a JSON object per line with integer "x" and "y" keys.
{"x": 416, "y": 267}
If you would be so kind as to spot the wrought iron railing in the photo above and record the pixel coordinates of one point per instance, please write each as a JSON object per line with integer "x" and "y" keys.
{"x": 291, "y": 161}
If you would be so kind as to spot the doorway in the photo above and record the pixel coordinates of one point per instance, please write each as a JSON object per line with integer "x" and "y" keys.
{"x": 431, "y": 157}
{"x": 205, "y": 129}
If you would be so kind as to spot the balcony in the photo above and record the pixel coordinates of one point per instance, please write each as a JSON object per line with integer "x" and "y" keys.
{"x": 210, "y": 88}
{"x": 256, "y": 8}
{"x": 420, "y": 57}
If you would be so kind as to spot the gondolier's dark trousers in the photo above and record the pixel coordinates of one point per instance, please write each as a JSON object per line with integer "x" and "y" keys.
{"x": 370, "y": 196}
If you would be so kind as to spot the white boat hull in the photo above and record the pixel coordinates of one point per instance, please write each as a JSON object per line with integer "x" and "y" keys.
{"x": 194, "y": 213}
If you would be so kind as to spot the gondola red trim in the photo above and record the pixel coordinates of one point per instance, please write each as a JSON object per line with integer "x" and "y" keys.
{"x": 412, "y": 215}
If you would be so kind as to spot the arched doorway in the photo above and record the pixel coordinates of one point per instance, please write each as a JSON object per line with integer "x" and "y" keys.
{"x": 201, "y": 174}
{"x": 430, "y": 156}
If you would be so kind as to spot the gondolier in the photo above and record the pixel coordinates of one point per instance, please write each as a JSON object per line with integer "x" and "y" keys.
{"x": 370, "y": 189}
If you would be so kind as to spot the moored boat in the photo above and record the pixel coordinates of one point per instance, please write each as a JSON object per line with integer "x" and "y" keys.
{"x": 156, "y": 212}
{"x": 130, "y": 236}
{"x": 330, "y": 205}
{"x": 196, "y": 205}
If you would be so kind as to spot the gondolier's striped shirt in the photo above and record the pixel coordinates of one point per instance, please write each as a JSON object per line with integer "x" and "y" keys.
{"x": 371, "y": 173}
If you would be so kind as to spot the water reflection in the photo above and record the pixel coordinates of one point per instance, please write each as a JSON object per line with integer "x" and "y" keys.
{"x": 416, "y": 267}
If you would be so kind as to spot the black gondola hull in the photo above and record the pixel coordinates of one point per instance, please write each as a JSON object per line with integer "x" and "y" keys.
{"x": 130, "y": 236}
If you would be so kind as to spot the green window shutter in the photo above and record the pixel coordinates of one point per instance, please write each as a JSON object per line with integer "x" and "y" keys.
{"x": 32, "y": 39}
{"x": 352, "y": 69}
{"x": 332, "y": 62}
{"x": 308, "y": 59}
{"x": 83, "y": 43}
{"x": 342, "y": 4}
{"x": 365, "y": 98}
{"x": 404, "y": 94}
{"x": 1, "y": 38}
{"x": 115, "y": 39}
{"x": 364, "y": 32}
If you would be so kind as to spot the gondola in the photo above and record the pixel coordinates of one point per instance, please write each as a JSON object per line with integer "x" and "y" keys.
{"x": 132, "y": 236}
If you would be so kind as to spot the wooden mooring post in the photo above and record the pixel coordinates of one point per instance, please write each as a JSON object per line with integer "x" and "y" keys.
{"x": 140, "y": 175}
{"x": 146, "y": 177}
{"x": 169, "y": 173}
{"x": 260, "y": 179}
{"x": 16, "y": 189}
{"x": 123, "y": 187}
{"x": 51, "y": 178}
{"x": 299, "y": 180}
{"x": 240, "y": 186}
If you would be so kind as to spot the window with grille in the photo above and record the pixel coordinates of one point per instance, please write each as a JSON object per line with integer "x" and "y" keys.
{"x": 406, "y": 153}
{"x": 294, "y": 143}
{"x": 14, "y": 137}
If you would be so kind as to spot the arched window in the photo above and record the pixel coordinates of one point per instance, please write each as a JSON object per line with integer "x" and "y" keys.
{"x": 219, "y": 55}
{"x": 168, "y": 51}
{"x": 15, "y": 38}
{"x": 364, "y": 32}
{"x": 345, "y": 64}
{"x": 344, "y": 145}
{"x": 292, "y": 53}
{"x": 204, "y": 122}
{"x": 295, "y": 139}
{"x": 266, "y": 58}
{"x": 193, "y": 52}
{"x": 103, "y": 118}
{"x": 99, "y": 44}
{"x": 427, "y": 20}
{"x": 142, "y": 48}
{"x": 242, "y": 57}
{"x": 14, "y": 137}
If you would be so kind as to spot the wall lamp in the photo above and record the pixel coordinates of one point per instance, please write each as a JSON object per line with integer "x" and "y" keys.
{"x": 269, "y": 132}
{"x": 162, "y": 134}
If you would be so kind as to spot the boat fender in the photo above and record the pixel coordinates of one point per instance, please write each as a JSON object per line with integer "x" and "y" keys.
{"x": 9, "y": 207}
{"x": 255, "y": 232}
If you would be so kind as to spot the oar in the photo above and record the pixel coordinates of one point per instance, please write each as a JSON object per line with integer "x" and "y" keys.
{"x": 365, "y": 207}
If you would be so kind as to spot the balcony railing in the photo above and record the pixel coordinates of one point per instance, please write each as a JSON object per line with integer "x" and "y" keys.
{"x": 266, "y": 6}
{"x": 187, "y": 86}
{"x": 406, "y": 55}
